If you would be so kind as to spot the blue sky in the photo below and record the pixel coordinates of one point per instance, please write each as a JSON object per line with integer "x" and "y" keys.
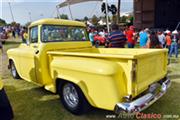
{"x": 24, "y": 10}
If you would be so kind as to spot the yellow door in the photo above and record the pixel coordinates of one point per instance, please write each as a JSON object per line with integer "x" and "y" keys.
{"x": 28, "y": 56}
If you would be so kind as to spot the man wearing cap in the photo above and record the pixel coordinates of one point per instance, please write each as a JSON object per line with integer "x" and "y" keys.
{"x": 174, "y": 45}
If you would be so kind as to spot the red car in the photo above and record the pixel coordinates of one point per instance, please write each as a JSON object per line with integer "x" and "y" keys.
{"x": 99, "y": 40}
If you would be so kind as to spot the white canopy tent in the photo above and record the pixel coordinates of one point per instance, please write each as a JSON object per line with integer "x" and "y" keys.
{"x": 72, "y": 2}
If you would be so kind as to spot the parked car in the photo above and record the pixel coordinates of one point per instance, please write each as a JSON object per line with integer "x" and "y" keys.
{"x": 59, "y": 56}
{"x": 6, "y": 112}
{"x": 99, "y": 40}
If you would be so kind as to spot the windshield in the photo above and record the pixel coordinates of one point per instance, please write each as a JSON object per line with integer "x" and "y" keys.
{"x": 55, "y": 33}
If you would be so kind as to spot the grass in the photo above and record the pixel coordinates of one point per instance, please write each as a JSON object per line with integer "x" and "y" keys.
{"x": 31, "y": 102}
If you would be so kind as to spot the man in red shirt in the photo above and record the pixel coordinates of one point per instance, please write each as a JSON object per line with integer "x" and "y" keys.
{"x": 130, "y": 37}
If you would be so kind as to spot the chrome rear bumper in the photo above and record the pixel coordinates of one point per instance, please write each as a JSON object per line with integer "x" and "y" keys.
{"x": 142, "y": 102}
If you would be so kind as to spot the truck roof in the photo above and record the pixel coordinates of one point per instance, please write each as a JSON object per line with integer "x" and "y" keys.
{"x": 53, "y": 21}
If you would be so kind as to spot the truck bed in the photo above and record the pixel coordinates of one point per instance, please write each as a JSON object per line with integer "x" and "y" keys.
{"x": 109, "y": 53}
{"x": 150, "y": 64}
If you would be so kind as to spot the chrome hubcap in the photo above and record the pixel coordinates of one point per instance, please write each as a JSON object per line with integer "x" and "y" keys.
{"x": 70, "y": 95}
{"x": 13, "y": 70}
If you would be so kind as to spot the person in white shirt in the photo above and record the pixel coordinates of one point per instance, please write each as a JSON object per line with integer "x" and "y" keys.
{"x": 102, "y": 33}
{"x": 162, "y": 39}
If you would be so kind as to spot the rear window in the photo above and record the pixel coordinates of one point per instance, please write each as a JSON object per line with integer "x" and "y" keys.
{"x": 53, "y": 33}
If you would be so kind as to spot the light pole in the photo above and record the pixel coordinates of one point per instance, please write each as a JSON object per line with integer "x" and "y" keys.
{"x": 58, "y": 14}
{"x": 118, "y": 13}
{"x": 29, "y": 13}
{"x": 11, "y": 11}
{"x": 107, "y": 16}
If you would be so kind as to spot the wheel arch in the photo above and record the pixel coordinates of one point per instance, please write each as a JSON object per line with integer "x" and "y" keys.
{"x": 10, "y": 61}
{"x": 61, "y": 81}
{"x": 15, "y": 64}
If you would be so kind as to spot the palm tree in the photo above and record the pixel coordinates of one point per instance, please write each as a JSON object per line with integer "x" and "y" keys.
{"x": 118, "y": 12}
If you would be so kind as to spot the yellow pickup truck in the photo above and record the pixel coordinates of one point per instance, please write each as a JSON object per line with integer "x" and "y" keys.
{"x": 59, "y": 56}
{"x": 6, "y": 112}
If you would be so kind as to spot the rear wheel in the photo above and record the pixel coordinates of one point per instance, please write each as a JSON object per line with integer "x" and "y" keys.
{"x": 97, "y": 43}
{"x": 14, "y": 71}
{"x": 73, "y": 99}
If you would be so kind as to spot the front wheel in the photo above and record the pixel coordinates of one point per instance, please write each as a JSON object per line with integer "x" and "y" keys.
{"x": 73, "y": 99}
{"x": 14, "y": 71}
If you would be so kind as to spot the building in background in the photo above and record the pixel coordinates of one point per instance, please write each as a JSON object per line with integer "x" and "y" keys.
{"x": 156, "y": 13}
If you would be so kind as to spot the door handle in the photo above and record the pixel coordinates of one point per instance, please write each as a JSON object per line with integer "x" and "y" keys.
{"x": 37, "y": 51}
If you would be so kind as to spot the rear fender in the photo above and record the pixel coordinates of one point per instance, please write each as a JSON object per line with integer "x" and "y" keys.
{"x": 79, "y": 83}
{"x": 98, "y": 79}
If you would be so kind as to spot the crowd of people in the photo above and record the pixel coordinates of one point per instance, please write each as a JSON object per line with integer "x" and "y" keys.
{"x": 117, "y": 38}
{"x": 12, "y": 31}
{"x": 131, "y": 38}
{"x": 15, "y": 31}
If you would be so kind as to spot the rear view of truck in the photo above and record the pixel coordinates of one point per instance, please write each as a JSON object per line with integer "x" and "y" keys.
{"x": 148, "y": 81}
{"x": 135, "y": 78}
{"x": 150, "y": 69}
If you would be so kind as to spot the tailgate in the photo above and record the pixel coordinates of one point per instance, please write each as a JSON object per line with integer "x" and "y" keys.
{"x": 150, "y": 69}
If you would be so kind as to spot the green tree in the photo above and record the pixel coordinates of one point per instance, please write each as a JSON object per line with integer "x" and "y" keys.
{"x": 64, "y": 16}
{"x": 123, "y": 19}
{"x": 27, "y": 24}
{"x": 95, "y": 20}
{"x": 2, "y": 22}
{"x": 13, "y": 23}
{"x": 86, "y": 18}
{"x": 114, "y": 19}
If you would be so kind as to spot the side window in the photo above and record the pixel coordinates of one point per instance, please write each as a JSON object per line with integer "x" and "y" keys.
{"x": 34, "y": 34}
